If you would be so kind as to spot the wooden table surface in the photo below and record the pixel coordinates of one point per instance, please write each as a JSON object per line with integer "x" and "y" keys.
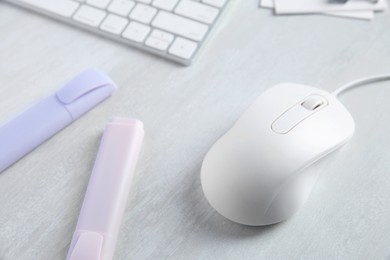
{"x": 185, "y": 110}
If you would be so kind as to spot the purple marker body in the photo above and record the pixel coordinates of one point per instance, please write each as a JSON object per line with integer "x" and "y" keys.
{"x": 105, "y": 200}
{"x": 28, "y": 130}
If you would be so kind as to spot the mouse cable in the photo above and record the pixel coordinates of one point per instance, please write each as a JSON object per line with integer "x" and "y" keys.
{"x": 360, "y": 82}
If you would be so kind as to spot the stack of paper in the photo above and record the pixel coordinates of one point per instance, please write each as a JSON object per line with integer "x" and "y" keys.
{"x": 360, "y": 9}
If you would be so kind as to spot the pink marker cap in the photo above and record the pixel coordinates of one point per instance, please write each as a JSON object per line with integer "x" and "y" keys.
{"x": 105, "y": 200}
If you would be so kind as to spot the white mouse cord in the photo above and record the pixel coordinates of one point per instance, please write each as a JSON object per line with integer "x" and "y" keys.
{"x": 360, "y": 82}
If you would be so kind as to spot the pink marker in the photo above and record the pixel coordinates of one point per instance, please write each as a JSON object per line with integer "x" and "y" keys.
{"x": 105, "y": 200}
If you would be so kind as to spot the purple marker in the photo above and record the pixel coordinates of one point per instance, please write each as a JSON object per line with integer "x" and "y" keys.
{"x": 109, "y": 185}
{"x": 28, "y": 130}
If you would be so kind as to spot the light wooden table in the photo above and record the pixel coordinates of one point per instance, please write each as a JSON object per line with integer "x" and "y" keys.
{"x": 185, "y": 110}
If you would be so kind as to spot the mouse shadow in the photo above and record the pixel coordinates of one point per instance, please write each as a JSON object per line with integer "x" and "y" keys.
{"x": 207, "y": 220}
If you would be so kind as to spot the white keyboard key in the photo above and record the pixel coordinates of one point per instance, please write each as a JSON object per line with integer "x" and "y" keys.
{"x": 136, "y": 32}
{"x": 145, "y": 1}
{"x": 64, "y": 8}
{"x": 99, "y": 3}
{"x": 164, "y": 36}
{"x": 121, "y": 7}
{"x": 89, "y": 15}
{"x": 180, "y": 25}
{"x": 216, "y": 3}
{"x": 183, "y": 48}
{"x": 143, "y": 13}
{"x": 157, "y": 43}
{"x": 159, "y": 40}
{"x": 197, "y": 11}
{"x": 114, "y": 24}
{"x": 165, "y": 4}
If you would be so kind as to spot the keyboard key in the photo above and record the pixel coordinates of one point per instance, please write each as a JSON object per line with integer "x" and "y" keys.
{"x": 183, "y": 48}
{"x": 89, "y": 15}
{"x": 165, "y": 4}
{"x": 197, "y": 11}
{"x": 121, "y": 7}
{"x": 136, "y": 32}
{"x": 216, "y": 3}
{"x": 114, "y": 24}
{"x": 164, "y": 36}
{"x": 64, "y": 8}
{"x": 143, "y": 13}
{"x": 157, "y": 44}
{"x": 99, "y": 3}
{"x": 180, "y": 25}
{"x": 159, "y": 40}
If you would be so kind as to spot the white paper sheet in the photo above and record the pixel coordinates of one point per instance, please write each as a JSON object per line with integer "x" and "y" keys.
{"x": 267, "y": 3}
{"x": 365, "y": 15}
{"x": 316, "y": 6}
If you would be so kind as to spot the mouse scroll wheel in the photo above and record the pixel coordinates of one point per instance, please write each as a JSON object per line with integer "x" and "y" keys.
{"x": 313, "y": 102}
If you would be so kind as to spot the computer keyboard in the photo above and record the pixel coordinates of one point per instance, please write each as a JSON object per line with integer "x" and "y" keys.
{"x": 173, "y": 29}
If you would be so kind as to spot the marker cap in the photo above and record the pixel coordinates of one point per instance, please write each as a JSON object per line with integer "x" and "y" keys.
{"x": 29, "y": 129}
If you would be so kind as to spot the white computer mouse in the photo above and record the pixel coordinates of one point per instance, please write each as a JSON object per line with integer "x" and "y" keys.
{"x": 264, "y": 168}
